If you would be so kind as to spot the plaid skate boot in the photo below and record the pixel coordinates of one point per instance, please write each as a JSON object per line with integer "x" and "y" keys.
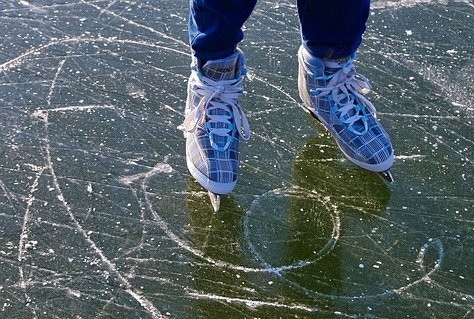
{"x": 334, "y": 93}
{"x": 214, "y": 123}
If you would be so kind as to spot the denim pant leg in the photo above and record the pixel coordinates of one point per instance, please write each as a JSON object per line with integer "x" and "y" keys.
{"x": 215, "y": 26}
{"x": 332, "y": 28}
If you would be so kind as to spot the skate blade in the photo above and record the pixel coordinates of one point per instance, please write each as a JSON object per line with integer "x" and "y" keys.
{"x": 307, "y": 110}
{"x": 215, "y": 201}
{"x": 387, "y": 175}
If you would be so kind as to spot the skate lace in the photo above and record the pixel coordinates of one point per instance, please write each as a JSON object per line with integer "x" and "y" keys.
{"x": 216, "y": 109}
{"x": 347, "y": 89}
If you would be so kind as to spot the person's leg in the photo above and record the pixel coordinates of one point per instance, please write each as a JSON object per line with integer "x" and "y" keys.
{"x": 332, "y": 29}
{"x": 215, "y": 26}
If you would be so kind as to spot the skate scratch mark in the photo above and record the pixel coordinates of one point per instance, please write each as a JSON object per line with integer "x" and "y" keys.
{"x": 8, "y": 194}
{"x": 131, "y": 22}
{"x": 420, "y": 260}
{"x": 174, "y": 237}
{"x": 295, "y": 192}
{"x": 53, "y": 84}
{"x": 389, "y": 292}
{"x": 24, "y": 235}
{"x": 252, "y": 76}
{"x": 252, "y": 303}
{"x": 275, "y": 144}
{"x": 106, "y": 9}
{"x": 158, "y": 168}
{"x": 399, "y": 4}
{"x": 422, "y": 116}
{"x": 410, "y": 157}
{"x": 220, "y": 263}
{"x": 72, "y": 108}
{"x": 10, "y": 64}
{"x": 461, "y": 295}
{"x": 430, "y": 73}
{"x": 19, "y": 59}
{"x": 135, "y": 293}
{"x": 142, "y": 245}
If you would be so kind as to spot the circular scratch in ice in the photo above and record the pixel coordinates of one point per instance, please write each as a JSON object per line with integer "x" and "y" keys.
{"x": 435, "y": 244}
{"x": 266, "y": 267}
{"x": 268, "y": 233}
{"x": 299, "y": 202}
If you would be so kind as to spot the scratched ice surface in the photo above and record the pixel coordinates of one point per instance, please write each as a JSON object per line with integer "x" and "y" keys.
{"x": 99, "y": 217}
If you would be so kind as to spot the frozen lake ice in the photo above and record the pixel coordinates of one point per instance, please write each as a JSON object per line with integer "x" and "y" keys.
{"x": 99, "y": 217}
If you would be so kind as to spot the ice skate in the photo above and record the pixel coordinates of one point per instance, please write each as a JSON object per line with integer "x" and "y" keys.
{"x": 333, "y": 93}
{"x": 214, "y": 123}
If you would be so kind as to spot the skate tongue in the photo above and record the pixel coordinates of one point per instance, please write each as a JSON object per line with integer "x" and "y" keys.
{"x": 221, "y": 70}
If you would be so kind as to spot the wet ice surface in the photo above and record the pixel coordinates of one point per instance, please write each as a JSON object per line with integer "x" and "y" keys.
{"x": 100, "y": 218}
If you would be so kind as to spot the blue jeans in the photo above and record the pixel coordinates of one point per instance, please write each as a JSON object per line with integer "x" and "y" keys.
{"x": 329, "y": 28}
